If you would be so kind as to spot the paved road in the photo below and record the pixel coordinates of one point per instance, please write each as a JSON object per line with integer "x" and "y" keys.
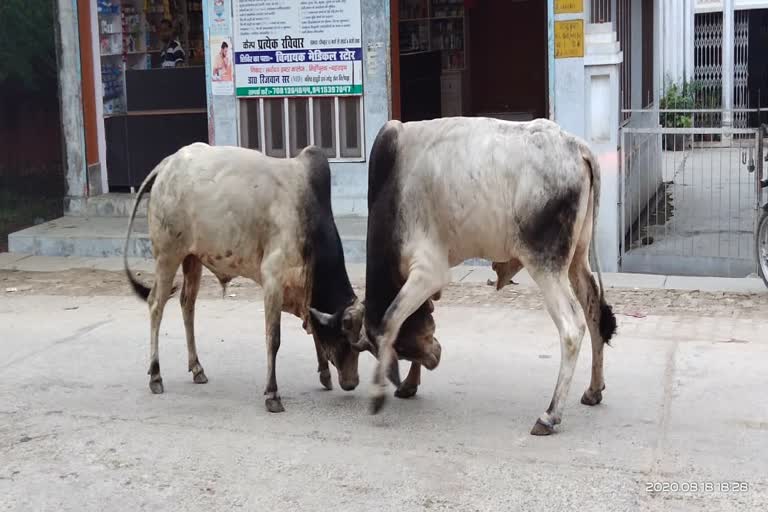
{"x": 79, "y": 430}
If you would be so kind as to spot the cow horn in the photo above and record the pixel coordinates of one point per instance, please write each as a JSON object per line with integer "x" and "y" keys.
{"x": 325, "y": 319}
{"x": 363, "y": 343}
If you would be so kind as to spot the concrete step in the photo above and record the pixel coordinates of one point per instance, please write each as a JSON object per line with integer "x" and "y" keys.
{"x": 601, "y": 38}
{"x": 104, "y": 237}
{"x": 603, "y": 49}
{"x": 82, "y": 236}
{"x": 599, "y": 28}
{"x": 109, "y": 205}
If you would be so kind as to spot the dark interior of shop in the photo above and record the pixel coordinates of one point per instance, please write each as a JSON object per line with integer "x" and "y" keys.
{"x": 471, "y": 58}
{"x": 154, "y": 98}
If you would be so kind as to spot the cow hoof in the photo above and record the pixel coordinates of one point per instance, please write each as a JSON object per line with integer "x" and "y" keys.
{"x": 406, "y": 391}
{"x": 377, "y": 402}
{"x": 156, "y": 386}
{"x": 274, "y": 404}
{"x": 591, "y": 397}
{"x": 542, "y": 429}
{"x": 199, "y": 377}
{"x": 325, "y": 379}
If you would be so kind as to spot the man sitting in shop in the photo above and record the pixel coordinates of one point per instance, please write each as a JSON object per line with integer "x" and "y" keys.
{"x": 172, "y": 54}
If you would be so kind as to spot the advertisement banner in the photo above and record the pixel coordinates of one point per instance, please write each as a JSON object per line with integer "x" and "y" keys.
{"x": 221, "y": 14}
{"x": 222, "y": 83}
{"x": 298, "y": 48}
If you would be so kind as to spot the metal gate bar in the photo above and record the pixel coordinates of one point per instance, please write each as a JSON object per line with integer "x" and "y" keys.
{"x": 688, "y": 202}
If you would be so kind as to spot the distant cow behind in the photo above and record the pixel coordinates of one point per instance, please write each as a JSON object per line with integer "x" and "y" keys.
{"x": 240, "y": 213}
{"x": 517, "y": 194}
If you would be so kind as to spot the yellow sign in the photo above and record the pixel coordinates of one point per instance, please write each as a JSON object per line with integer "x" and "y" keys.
{"x": 569, "y": 6}
{"x": 569, "y": 39}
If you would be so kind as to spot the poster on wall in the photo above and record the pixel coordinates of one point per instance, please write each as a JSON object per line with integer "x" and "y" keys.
{"x": 221, "y": 13}
{"x": 222, "y": 82}
{"x": 569, "y": 39}
{"x": 569, "y": 6}
{"x": 298, "y": 47}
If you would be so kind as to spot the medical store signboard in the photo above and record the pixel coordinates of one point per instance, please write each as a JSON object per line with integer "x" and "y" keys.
{"x": 298, "y": 48}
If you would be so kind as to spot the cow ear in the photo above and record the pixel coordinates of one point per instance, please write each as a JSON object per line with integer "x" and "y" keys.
{"x": 324, "y": 319}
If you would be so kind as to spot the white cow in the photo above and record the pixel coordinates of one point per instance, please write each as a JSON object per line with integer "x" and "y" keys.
{"x": 518, "y": 194}
{"x": 238, "y": 212}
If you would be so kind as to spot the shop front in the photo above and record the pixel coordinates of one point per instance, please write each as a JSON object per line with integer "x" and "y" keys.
{"x": 151, "y": 69}
{"x": 277, "y": 76}
{"x": 332, "y": 72}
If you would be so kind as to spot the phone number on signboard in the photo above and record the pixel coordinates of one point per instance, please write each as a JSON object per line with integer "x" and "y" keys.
{"x": 319, "y": 89}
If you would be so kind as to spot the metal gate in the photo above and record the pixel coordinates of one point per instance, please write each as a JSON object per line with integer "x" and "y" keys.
{"x": 689, "y": 198}
{"x": 708, "y": 63}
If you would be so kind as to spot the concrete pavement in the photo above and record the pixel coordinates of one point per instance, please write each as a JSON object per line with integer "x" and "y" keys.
{"x": 461, "y": 274}
{"x": 684, "y": 405}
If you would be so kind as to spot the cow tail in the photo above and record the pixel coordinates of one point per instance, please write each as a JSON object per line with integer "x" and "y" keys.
{"x": 607, "y": 321}
{"x": 138, "y": 288}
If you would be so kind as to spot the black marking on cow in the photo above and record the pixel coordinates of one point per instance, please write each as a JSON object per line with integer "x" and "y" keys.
{"x": 382, "y": 279}
{"x": 154, "y": 368}
{"x": 384, "y": 243}
{"x": 607, "y": 323}
{"x": 323, "y": 253}
{"x": 227, "y": 254}
{"x": 549, "y": 231}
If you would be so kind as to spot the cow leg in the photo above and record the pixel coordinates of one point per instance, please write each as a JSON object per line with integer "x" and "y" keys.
{"x": 411, "y": 383}
{"x": 193, "y": 270}
{"x": 273, "y": 307}
{"x": 586, "y": 290}
{"x": 165, "y": 270}
{"x": 566, "y": 313}
{"x": 423, "y": 282}
{"x": 322, "y": 366}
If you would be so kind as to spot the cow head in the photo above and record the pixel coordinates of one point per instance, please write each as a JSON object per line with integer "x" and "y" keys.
{"x": 415, "y": 341}
{"x": 339, "y": 334}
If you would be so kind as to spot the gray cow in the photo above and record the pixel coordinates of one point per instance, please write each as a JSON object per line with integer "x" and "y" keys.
{"x": 518, "y": 194}
{"x": 240, "y": 213}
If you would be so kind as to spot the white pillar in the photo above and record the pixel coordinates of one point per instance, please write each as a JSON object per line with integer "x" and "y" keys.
{"x": 676, "y": 44}
{"x": 690, "y": 37}
{"x": 658, "y": 50}
{"x": 601, "y": 126}
{"x": 71, "y": 100}
{"x": 728, "y": 71}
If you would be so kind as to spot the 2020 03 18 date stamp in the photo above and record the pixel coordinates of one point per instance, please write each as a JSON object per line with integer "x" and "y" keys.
{"x": 716, "y": 486}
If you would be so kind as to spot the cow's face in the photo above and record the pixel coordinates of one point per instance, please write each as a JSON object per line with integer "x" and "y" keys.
{"x": 339, "y": 335}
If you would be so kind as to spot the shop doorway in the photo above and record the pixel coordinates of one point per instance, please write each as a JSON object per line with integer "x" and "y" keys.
{"x": 152, "y": 58}
{"x": 469, "y": 58}
{"x": 32, "y": 182}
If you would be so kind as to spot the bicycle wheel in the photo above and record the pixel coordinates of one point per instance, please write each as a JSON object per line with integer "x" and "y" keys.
{"x": 761, "y": 246}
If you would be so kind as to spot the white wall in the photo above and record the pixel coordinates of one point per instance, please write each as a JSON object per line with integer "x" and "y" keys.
{"x": 642, "y": 173}
{"x": 349, "y": 182}
{"x": 100, "y": 133}
{"x": 637, "y": 54}
{"x": 676, "y": 38}
{"x": 569, "y": 88}
{"x": 717, "y": 5}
